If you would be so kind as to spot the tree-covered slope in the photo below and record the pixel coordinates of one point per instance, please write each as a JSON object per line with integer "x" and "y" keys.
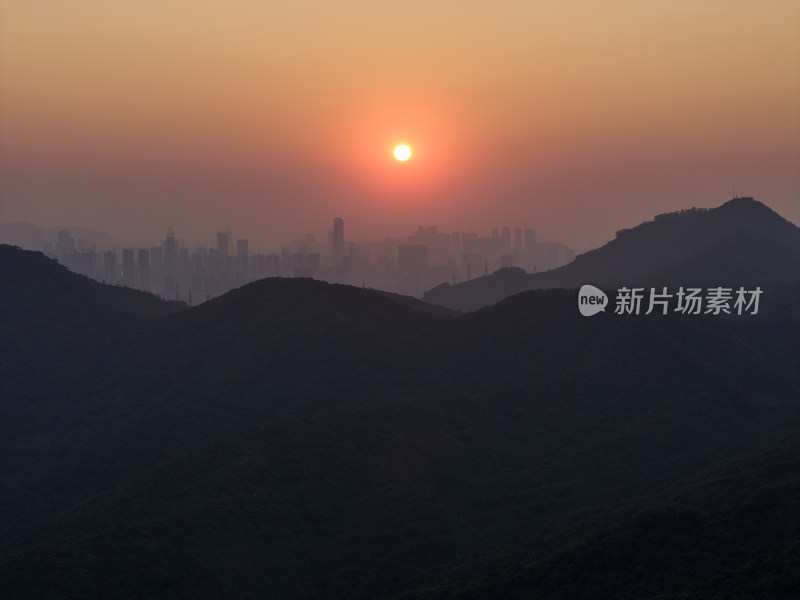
{"x": 299, "y": 439}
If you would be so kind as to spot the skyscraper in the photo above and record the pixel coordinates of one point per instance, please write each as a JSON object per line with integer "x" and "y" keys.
{"x": 144, "y": 269}
{"x": 242, "y": 258}
{"x": 337, "y": 243}
{"x": 170, "y": 262}
{"x": 170, "y": 254}
{"x": 222, "y": 243}
{"x": 110, "y": 267}
{"x": 455, "y": 245}
{"x": 518, "y": 243}
{"x": 128, "y": 268}
{"x": 66, "y": 244}
{"x": 411, "y": 258}
{"x": 506, "y": 238}
{"x": 530, "y": 240}
{"x": 157, "y": 269}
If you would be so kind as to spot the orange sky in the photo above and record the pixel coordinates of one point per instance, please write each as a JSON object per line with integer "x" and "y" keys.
{"x": 574, "y": 118}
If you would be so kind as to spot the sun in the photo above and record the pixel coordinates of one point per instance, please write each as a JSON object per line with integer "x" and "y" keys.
{"x": 402, "y": 152}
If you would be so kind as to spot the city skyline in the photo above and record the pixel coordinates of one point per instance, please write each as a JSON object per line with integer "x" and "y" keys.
{"x": 211, "y": 238}
{"x": 173, "y": 269}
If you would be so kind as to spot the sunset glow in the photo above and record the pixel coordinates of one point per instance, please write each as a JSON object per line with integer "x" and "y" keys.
{"x": 573, "y": 118}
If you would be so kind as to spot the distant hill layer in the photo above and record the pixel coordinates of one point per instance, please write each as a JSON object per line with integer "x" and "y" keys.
{"x": 713, "y": 247}
{"x": 29, "y": 236}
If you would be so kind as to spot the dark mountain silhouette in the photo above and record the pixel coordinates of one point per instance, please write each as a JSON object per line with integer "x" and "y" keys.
{"x": 419, "y": 305}
{"x": 295, "y": 439}
{"x": 51, "y": 316}
{"x": 36, "y": 285}
{"x": 746, "y": 259}
{"x": 706, "y": 240}
{"x": 277, "y": 347}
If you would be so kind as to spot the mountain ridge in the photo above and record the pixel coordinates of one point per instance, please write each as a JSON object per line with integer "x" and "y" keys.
{"x": 636, "y": 253}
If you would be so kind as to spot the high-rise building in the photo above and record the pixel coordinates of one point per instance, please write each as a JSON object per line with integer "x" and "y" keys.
{"x": 87, "y": 263}
{"x": 128, "y": 268}
{"x": 170, "y": 263}
{"x": 469, "y": 242}
{"x": 438, "y": 244}
{"x": 286, "y": 264}
{"x": 506, "y": 238}
{"x": 66, "y": 244}
{"x": 273, "y": 265}
{"x": 258, "y": 266}
{"x": 243, "y": 258}
{"x": 337, "y": 242}
{"x": 411, "y": 258}
{"x": 143, "y": 264}
{"x": 222, "y": 243}
{"x": 530, "y": 240}
{"x": 184, "y": 267}
{"x": 455, "y": 245}
{"x": 157, "y": 269}
{"x": 110, "y": 267}
{"x": 170, "y": 254}
{"x": 518, "y": 240}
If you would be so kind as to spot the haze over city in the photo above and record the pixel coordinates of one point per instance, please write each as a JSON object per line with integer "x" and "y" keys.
{"x": 573, "y": 119}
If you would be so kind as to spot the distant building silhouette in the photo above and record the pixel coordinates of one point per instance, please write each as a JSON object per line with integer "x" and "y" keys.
{"x": 157, "y": 270}
{"x": 530, "y": 240}
{"x": 143, "y": 263}
{"x": 506, "y": 239}
{"x": 222, "y": 243}
{"x": 66, "y": 244}
{"x": 337, "y": 242}
{"x": 410, "y": 264}
{"x": 110, "y": 267}
{"x": 128, "y": 268}
{"x": 242, "y": 260}
{"x": 411, "y": 258}
{"x": 170, "y": 260}
{"x": 518, "y": 240}
{"x": 455, "y": 245}
{"x": 469, "y": 242}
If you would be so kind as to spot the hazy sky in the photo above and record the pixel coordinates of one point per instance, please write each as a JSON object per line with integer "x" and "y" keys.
{"x": 270, "y": 118}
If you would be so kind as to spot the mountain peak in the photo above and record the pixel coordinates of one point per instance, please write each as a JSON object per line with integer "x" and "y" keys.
{"x": 743, "y": 201}
{"x": 751, "y": 213}
{"x": 638, "y": 252}
{"x": 747, "y": 205}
